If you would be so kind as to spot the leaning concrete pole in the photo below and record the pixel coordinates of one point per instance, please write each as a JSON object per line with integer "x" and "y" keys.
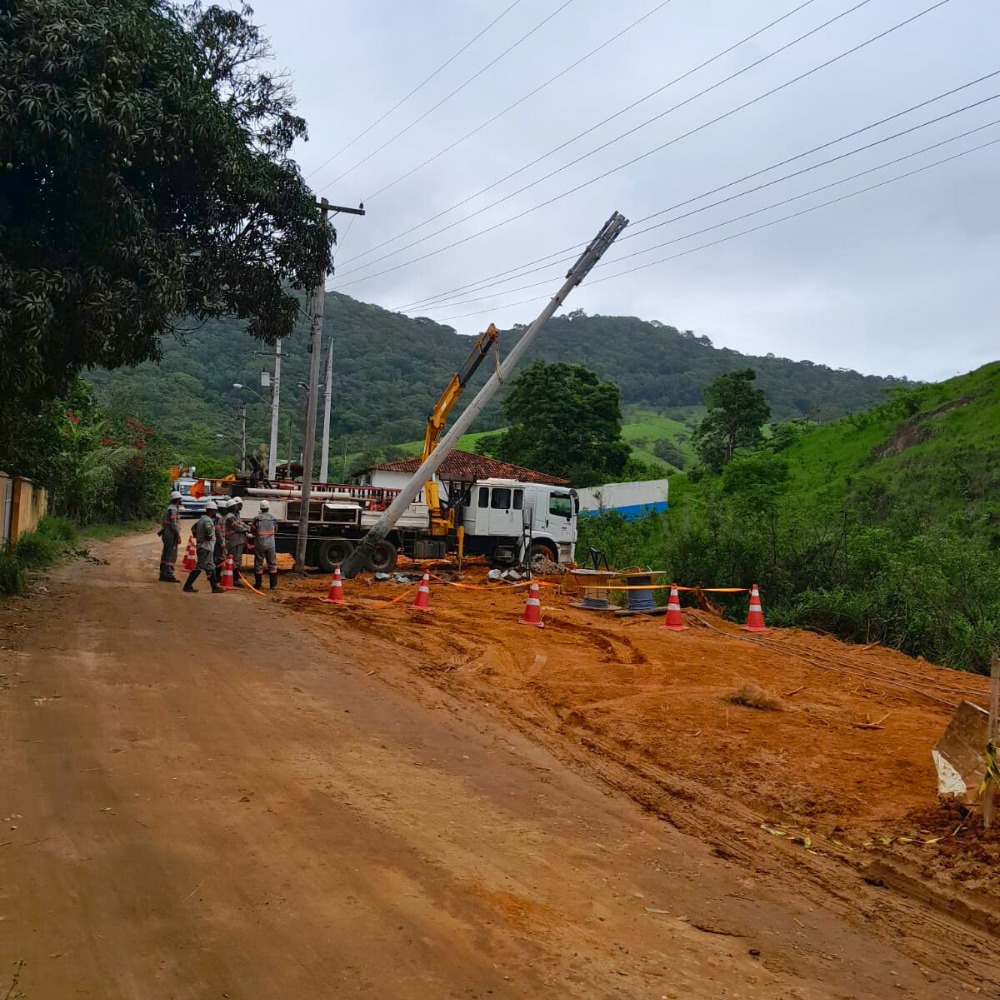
{"x": 358, "y": 560}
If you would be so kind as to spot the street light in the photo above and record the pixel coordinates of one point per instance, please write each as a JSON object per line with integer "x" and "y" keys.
{"x": 240, "y": 385}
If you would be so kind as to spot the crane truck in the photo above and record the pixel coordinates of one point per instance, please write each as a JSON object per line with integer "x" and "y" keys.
{"x": 505, "y": 520}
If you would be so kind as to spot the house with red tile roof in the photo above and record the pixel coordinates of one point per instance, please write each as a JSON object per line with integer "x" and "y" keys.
{"x": 459, "y": 467}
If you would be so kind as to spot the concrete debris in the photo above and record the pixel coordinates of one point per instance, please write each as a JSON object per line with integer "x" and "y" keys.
{"x": 382, "y": 577}
{"x": 494, "y": 575}
{"x": 545, "y": 567}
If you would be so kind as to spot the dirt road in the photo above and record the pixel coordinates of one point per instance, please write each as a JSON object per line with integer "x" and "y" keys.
{"x": 201, "y": 798}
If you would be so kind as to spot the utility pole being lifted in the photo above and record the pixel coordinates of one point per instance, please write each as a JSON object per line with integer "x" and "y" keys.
{"x": 317, "y": 302}
{"x": 359, "y": 559}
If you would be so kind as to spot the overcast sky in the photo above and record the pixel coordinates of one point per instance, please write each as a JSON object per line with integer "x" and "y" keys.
{"x": 901, "y": 280}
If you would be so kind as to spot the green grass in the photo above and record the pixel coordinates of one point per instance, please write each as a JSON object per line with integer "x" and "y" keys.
{"x": 35, "y": 550}
{"x": 106, "y": 532}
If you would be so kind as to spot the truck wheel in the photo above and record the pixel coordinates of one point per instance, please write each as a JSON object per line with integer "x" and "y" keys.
{"x": 541, "y": 551}
{"x": 333, "y": 551}
{"x": 384, "y": 557}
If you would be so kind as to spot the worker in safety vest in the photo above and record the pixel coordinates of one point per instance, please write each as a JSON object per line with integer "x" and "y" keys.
{"x": 264, "y": 526}
{"x": 220, "y": 537}
{"x": 170, "y": 534}
{"x": 204, "y": 536}
{"x": 236, "y": 530}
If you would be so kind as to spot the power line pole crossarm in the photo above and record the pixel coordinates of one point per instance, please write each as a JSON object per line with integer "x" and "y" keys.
{"x": 359, "y": 559}
{"x": 317, "y": 302}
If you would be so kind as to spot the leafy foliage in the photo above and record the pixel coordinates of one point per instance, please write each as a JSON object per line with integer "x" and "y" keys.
{"x": 564, "y": 421}
{"x": 98, "y": 464}
{"x": 145, "y": 177}
{"x": 736, "y": 414}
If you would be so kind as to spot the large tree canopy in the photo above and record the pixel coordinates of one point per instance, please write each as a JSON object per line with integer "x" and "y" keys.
{"x": 566, "y": 422}
{"x": 144, "y": 177}
{"x": 736, "y": 414}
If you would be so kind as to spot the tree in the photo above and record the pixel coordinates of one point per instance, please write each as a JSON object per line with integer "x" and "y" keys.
{"x": 144, "y": 177}
{"x": 565, "y": 422}
{"x": 736, "y": 413}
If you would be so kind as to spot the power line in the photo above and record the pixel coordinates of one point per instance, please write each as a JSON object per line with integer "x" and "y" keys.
{"x": 593, "y": 128}
{"x": 545, "y": 261}
{"x": 773, "y": 205}
{"x": 417, "y": 88}
{"x": 521, "y": 100}
{"x": 444, "y": 100}
{"x": 755, "y": 229}
{"x": 635, "y": 159}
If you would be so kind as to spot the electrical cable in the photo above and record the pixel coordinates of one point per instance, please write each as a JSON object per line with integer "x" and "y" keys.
{"x": 521, "y": 100}
{"x": 754, "y": 229}
{"x": 593, "y": 128}
{"x": 777, "y": 204}
{"x": 444, "y": 100}
{"x": 487, "y": 282}
{"x": 417, "y": 88}
{"x": 634, "y": 160}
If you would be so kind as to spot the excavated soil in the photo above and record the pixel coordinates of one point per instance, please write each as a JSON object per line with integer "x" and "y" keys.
{"x": 842, "y": 766}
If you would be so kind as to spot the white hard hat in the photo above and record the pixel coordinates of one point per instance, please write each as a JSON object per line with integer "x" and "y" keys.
{"x": 264, "y": 505}
{"x": 211, "y": 505}
{"x": 238, "y": 502}
{"x": 175, "y": 495}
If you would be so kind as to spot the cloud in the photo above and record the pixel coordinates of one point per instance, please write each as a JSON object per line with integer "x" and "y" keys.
{"x": 896, "y": 280}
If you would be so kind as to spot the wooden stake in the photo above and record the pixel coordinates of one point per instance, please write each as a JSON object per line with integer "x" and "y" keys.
{"x": 992, "y": 733}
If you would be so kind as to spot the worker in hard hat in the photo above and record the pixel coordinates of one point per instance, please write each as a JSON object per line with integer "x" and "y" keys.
{"x": 204, "y": 535}
{"x": 236, "y": 530}
{"x": 220, "y": 536}
{"x": 170, "y": 535}
{"x": 264, "y": 526}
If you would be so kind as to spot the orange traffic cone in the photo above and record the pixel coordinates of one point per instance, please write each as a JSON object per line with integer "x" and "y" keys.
{"x": 674, "y": 622}
{"x": 336, "y": 595}
{"x": 423, "y": 599}
{"x": 755, "y": 616}
{"x": 532, "y": 614}
{"x": 190, "y": 557}
{"x": 227, "y": 574}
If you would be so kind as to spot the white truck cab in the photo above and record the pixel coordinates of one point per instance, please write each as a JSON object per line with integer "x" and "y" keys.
{"x": 503, "y": 515}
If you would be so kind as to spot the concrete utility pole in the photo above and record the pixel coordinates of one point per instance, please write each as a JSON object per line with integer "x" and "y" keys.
{"x": 317, "y": 302}
{"x": 272, "y": 449}
{"x": 359, "y": 558}
{"x": 324, "y": 457}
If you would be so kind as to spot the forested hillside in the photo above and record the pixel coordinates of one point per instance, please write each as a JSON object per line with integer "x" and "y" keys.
{"x": 389, "y": 369}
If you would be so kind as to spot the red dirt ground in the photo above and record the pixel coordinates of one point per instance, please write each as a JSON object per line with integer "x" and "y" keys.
{"x": 651, "y": 701}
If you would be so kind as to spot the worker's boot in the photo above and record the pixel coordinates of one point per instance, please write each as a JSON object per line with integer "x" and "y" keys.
{"x": 214, "y": 580}
{"x": 167, "y": 575}
{"x": 237, "y": 580}
{"x": 189, "y": 584}
{"x": 273, "y": 580}
{"x": 258, "y": 580}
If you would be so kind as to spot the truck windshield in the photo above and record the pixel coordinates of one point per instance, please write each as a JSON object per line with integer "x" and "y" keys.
{"x": 561, "y": 505}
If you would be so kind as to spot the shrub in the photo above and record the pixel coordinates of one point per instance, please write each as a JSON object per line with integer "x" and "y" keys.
{"x": 13, "y": 578}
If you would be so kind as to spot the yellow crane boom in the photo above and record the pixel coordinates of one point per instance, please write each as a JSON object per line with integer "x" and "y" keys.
{"x": 442, "y": 521}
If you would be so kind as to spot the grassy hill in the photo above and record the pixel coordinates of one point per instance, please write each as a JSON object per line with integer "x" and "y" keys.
{"x": 389, "y": 369}
{"x": 882, "y": 526}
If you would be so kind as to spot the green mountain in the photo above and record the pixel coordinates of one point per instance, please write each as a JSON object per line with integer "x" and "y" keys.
{"x": 389, "y": 370}
{"x": 882, "y": 526}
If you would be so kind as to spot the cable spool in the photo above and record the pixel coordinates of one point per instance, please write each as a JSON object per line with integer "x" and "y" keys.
{"x": 640, "y": 599}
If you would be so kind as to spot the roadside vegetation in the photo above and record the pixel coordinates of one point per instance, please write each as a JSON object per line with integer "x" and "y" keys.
{"x": 880, "y": 527}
